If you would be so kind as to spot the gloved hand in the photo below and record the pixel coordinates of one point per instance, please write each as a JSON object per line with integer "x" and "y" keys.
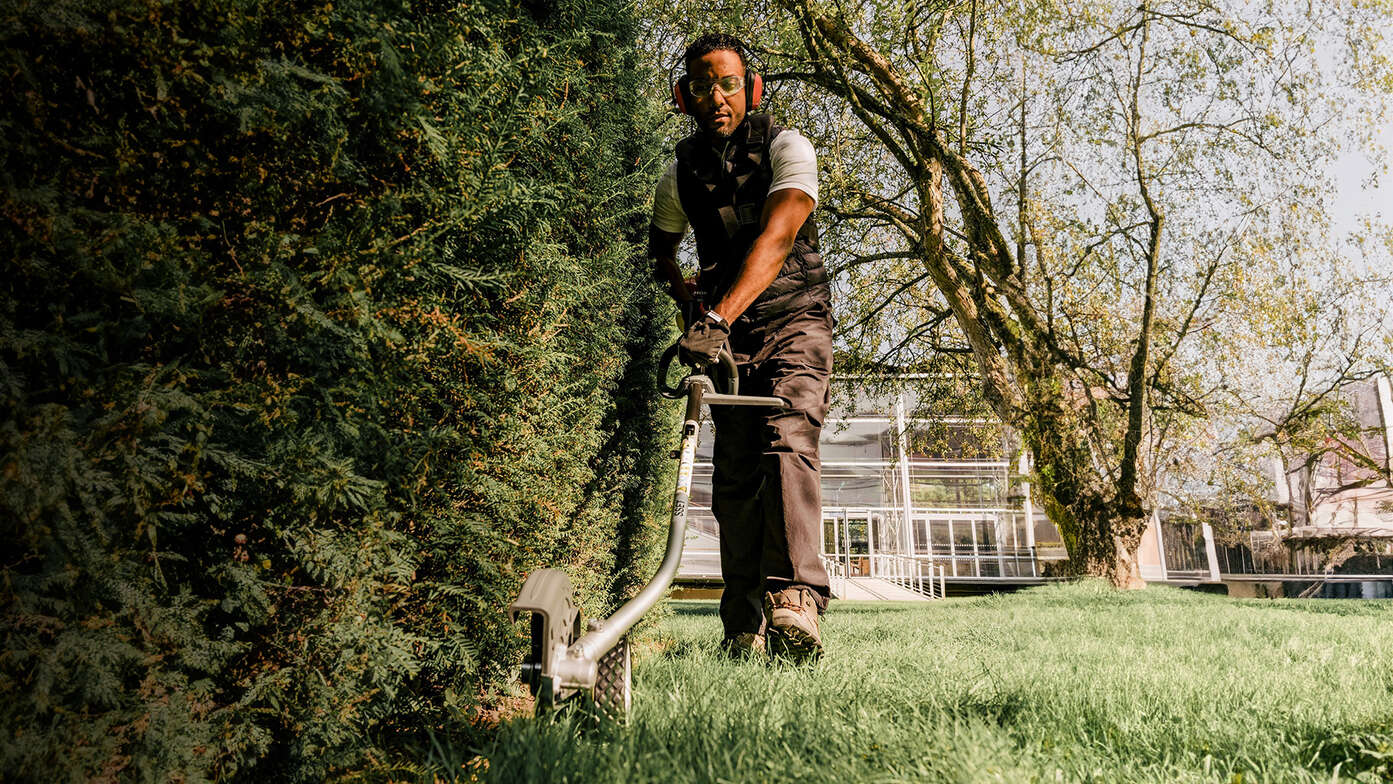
{"x": 703, "y": 341}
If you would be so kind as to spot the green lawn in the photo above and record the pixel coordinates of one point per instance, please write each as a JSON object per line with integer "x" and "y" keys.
{"x": 1060, "y": 683}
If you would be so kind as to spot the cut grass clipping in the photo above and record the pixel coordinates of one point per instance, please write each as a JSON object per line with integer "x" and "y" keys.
{"x": 1060, "y": 683}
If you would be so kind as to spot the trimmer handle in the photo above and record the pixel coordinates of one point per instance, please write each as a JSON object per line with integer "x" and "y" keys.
{"x": 726, "y": 377}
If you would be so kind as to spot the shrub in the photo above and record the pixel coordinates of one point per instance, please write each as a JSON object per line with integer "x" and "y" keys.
{"x": 321, "y": 325}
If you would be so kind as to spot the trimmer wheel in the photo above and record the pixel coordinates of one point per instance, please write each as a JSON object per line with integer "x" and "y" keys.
{"x": 613, "y": 694}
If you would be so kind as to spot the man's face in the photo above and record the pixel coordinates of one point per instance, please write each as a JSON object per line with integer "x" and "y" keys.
{"x": 716, "y": 113}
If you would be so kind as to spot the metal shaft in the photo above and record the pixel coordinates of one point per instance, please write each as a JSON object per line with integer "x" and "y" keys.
{"x": 578, "y": 668}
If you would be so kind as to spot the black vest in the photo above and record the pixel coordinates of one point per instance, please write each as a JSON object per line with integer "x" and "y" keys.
{"x": 723, "y": 197}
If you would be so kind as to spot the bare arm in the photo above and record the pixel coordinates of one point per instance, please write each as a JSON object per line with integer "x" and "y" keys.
{"x": 784, "y": 213}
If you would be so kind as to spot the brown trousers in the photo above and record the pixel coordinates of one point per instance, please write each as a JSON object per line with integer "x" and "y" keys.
{"x": 767, "y": 482}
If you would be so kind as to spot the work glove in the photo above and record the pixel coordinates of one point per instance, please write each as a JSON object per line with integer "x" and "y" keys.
{"x": 703, "y": 341}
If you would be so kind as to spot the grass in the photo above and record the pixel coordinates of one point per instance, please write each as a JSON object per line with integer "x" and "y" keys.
{"x": 1063, "y": 683}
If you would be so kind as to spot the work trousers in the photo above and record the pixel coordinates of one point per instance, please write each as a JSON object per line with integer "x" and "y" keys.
{"x": 767, "y": 482}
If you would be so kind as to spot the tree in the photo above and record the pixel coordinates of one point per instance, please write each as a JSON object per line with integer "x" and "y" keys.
{"x": 1311, "y": 450}
{"x": 1150, "y": 159}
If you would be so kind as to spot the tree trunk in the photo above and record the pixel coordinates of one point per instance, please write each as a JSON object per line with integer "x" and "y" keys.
{"x": 1102, "y": 540}
{"x": 1108, "y": 548}
{"x": 1101, "y": 529}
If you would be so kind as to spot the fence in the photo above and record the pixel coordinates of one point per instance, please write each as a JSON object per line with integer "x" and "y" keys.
{"x": 1247, "y": 556}
{"x": 974, "y": 543}
{"x": 912, "y": 573}
{"x": 909, "y": 572}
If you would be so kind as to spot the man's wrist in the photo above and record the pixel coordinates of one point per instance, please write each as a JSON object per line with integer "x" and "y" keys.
{"x": 718, "y": 318}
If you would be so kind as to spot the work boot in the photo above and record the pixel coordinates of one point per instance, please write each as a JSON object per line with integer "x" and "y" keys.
{"x": 793, "y": 624}
{"x": 743, "y": 646}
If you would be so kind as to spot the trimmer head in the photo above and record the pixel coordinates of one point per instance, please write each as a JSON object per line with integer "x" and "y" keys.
{"x": 612, "y": 696}
{"x": 556, "y": 625}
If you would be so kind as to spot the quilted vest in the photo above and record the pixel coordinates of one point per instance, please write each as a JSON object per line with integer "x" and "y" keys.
{"x": 723, "y": 193}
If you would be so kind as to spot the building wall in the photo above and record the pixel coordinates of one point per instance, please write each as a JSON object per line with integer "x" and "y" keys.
{"x": 936, "y": 489}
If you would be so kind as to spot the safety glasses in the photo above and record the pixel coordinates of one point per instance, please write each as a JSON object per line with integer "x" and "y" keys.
{"x": 705, "y": 88}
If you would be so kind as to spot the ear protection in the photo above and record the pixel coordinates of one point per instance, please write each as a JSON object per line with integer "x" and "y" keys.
{"x": 754, "y": 92}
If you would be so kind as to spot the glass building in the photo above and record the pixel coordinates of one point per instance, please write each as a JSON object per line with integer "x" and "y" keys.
{"x": 905, "y": 495}
{"x": 901, "y": 493}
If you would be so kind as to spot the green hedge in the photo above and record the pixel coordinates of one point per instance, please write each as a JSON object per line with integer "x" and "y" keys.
{"x": 322, "y": 324}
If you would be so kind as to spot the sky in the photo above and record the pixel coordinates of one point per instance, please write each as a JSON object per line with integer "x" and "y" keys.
{"x": 1356, "y": 198}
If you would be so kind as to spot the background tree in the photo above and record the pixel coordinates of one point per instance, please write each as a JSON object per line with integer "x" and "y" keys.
{"x": 1306, "y": 445}
{"x": 1073, "y": 196}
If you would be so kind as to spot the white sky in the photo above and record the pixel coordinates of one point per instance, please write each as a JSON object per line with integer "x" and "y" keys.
{"x": 1356, "y": 198}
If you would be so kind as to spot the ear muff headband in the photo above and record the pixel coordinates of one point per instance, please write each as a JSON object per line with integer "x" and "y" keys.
{"x": 754, "y": 92}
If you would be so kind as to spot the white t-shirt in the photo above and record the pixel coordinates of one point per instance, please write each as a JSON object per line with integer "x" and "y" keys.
{"x": 791, "y": 157}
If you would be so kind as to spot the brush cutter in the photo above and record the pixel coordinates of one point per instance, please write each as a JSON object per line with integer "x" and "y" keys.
{"x": 564, "y": 664}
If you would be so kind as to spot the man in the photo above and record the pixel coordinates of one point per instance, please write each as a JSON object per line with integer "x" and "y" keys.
{"x": 748, "y": 188}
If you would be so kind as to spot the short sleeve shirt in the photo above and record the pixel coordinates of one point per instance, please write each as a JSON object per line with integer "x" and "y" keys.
{"x": 794, "y": 165}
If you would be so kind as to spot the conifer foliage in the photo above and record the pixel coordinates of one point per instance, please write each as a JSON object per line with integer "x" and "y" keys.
{"x": 321, "y": 325}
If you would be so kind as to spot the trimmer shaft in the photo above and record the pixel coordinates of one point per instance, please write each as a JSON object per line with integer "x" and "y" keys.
{"x": 562, "y": 662}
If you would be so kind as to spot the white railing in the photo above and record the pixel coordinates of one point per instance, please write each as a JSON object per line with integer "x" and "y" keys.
{"x": 1015, "y": 562}
{"x": 836, "y": 576}
{"x": 912, "y": 573}
{"x": 918, "y": 574}
{"x": 985, "y": 543}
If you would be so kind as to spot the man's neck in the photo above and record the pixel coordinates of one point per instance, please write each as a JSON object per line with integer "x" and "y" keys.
{"x": 719, "y": 142}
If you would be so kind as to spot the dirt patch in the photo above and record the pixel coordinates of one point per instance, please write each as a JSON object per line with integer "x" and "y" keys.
{"x": 494, "y": 709}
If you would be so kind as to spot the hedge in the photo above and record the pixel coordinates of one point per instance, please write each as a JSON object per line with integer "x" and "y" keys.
{"x": 322, "y": 324}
